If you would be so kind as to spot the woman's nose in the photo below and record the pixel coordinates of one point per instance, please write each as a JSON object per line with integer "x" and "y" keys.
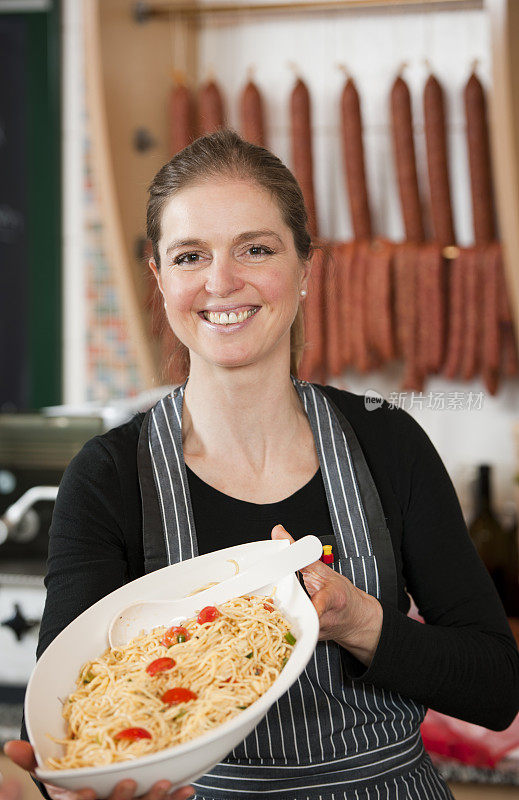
{"x": 223, "y": 276}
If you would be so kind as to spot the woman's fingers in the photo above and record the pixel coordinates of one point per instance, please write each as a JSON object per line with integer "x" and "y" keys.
{"x": 10, "y": 790}
{"x": 184, "y": 793}
{"x": 21, "y": 753}
{"x": 158, "y": 790}
{"x": 59, "y": 793}
{"x": 316, "y": 574}
{"x": 125, "y": 790}
{"x": 279, "y": 532}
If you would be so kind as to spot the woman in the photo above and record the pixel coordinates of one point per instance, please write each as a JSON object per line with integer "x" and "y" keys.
{"x": 243, "y": 449}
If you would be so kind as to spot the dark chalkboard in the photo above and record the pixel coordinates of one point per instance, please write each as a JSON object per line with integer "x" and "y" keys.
{"x": 14, "y": 274}
{"x": 30, "y": 210}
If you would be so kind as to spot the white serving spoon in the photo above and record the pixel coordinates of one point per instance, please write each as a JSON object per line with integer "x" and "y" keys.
{"x": 131, "y": 620}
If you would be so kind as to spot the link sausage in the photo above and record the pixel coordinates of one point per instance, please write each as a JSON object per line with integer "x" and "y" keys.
{"x": 211, "y": 115}
{"x": 251, "y": 114}
{"x": 354, "y": 163}
{"x": 437, "y": 162}
{"x": 405, "y": 160}
{"x": 456, "y": 282}
{"x": 313, "y": 361}
{"x": 182, "y": 112}
{"x": 301, "y": 135}
{"x": 479, "y": 161}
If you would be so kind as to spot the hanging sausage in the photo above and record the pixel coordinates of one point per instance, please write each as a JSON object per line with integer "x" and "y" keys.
{"x": 182, "y": 115}
{"x": 335, "y": 325}
{"x": 457, "y": 269}
{"x": 497, "y": 347}
{"x": 509, "y": 354}
{"x": 409, "y": 323}
{"x": 436, "y": 273}
{"x": 345, "y": 255}
{"x": 437, "y": 162}
{"x": 313, "y": 362}
{"x": 251, "y": 113}
{"x": 362, "y": 355}
{"x": 211, "y": 114}
{"x": 363, "y": 358}
{"x": 378, "y": 305}
{"x": 302, "y": 163}
{"x": 301, "y": 138}
{"x": 406, "y": 311}
{"x": 405, "y": 160}
{"x": 473, "y": 298}
{"x": 354, "y": 163}
{"x": 479, "y": 161}
{"x": 490, "y": 339}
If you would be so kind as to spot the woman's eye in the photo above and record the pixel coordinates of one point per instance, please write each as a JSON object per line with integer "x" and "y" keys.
{"x": 258, "y": 247}
{"x": 186, "y": 258}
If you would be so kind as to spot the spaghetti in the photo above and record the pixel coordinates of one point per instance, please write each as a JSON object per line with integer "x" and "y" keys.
{"x": 171, "y": 685}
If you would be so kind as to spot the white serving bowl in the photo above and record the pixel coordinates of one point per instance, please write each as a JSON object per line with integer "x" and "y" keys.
{"x": 54, "y": 676}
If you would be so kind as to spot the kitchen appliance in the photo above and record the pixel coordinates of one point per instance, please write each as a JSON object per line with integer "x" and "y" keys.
{"x": 34, "y": 452}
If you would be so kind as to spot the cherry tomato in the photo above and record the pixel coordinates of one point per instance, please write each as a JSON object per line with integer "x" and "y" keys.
{"x": 208, "y": 614}
{"x": 172, "y": 635}
{"x": 160, "y": 665}
{"x": 268, "y": 607}
{"x": 132, "y": 734}
{"x": 178, "y": 695}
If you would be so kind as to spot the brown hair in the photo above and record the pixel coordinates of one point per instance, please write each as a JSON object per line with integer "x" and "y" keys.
{"x": 225, "y": 153}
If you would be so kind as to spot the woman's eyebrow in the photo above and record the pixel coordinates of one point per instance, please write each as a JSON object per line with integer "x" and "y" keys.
{"x": 237, "y": 239}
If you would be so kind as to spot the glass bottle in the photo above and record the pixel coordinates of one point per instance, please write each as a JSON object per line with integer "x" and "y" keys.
{"x": 489, "y": 537}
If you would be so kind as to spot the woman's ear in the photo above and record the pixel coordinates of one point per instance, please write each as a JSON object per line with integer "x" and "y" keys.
{"x": 153, "y": 266}
{"x": 307, "y": 268}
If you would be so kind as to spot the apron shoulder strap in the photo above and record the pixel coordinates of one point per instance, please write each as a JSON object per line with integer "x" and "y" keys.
{"x": 155, "y": 551}
{"x": 378, "y": 530}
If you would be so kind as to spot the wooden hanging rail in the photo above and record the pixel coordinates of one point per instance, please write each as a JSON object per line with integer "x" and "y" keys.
{"x": 143, "y": 10}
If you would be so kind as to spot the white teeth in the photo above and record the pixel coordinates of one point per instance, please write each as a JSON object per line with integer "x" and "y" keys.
{"x": 228, "y": 319}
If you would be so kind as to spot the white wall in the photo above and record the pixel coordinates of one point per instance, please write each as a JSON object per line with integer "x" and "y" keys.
{"x": 373, "y": 45}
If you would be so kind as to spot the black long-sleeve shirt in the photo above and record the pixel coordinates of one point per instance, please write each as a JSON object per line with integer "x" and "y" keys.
{"x": 462, "y": 662}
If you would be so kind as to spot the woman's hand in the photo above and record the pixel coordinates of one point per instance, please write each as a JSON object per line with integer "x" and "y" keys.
{"x": 11, "y": 789}
{"x": 346, "y": 614}
{"x": 23, "y": 755}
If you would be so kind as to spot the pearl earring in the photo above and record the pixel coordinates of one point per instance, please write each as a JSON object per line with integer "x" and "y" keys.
{"x": 303, "y": 293}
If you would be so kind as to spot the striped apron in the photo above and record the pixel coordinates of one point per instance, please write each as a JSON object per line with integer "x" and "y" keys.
{"x": 329, "y": 737}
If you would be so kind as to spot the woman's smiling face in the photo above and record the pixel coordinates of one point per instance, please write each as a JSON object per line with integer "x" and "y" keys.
{"x": 225, "y": 250}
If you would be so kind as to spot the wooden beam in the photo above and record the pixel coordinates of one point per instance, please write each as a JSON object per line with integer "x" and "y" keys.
{"x": 115, "y": 245}
{"x": 504, "y": 136}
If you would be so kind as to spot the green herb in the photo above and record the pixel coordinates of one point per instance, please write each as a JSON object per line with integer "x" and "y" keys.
{"x": 249, "y": 655}
{"x": 181, "y": 713}
{"x": 181, "y": 638}
{"x": 242, "y": 707}
{"x": 290, "y": 638}
{"x": 284, "y": 662}
{"x": 88, "y": 677}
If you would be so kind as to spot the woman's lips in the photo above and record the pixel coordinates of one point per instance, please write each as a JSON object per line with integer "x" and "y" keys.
{"x": 229, "y": 327}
